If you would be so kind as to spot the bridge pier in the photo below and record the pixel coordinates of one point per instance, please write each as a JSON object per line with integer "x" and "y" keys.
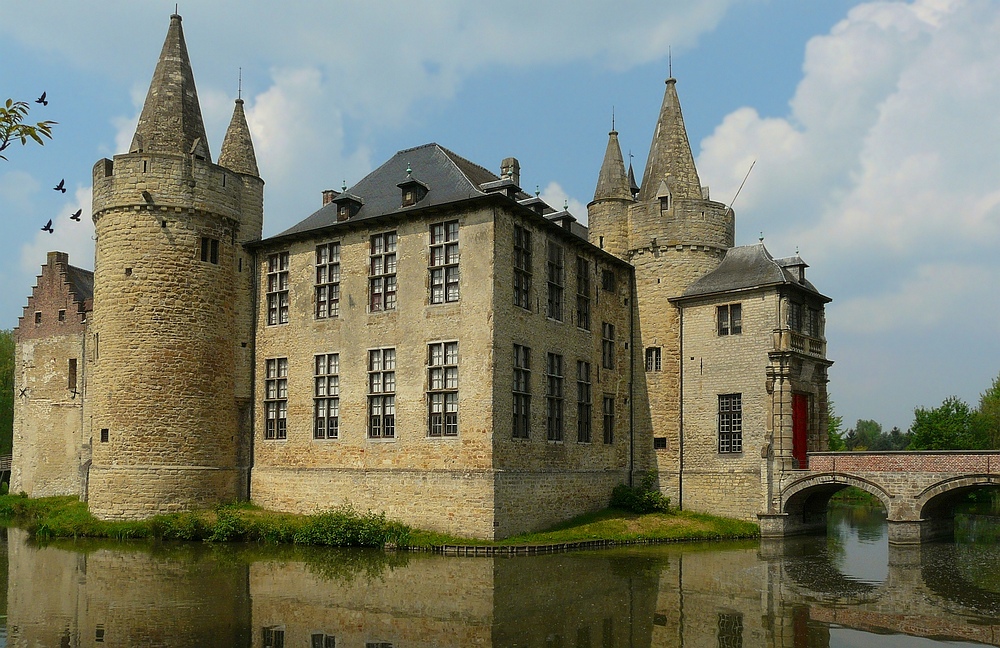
{"x": 912, "y": 532}
{"x": 781, "y": 525}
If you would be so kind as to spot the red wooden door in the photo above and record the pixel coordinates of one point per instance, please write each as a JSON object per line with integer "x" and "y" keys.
{"x": 800, "y": 424}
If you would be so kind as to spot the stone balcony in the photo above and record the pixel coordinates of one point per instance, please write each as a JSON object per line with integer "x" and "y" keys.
{"x": 789, "y": 340}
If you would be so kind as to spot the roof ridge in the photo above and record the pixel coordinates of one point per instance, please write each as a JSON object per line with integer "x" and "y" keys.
{"x": 452, "y": 156}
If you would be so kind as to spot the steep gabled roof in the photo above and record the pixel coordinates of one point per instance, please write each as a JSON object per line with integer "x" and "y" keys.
{"x": 748, "y": 267}
{"x": 447, "y": 176}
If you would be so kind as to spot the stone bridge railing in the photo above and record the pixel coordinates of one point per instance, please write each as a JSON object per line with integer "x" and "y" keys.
{"x": 941, "y": 461}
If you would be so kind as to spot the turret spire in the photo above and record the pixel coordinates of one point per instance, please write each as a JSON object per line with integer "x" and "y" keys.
{"x": 171, "y": 116}
{"x": 237, "y": 146}
{"x": 612, "y": 181}
{"x": 670, "y": 164}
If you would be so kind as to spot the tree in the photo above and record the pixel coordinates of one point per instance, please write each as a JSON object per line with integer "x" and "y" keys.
{"x": 834, "y": 427}
{"x": 6, "y": 390}
{"x": 988, "y": 416}
{"x": 12, "y": 128}
{"x": 864, "y": 435}
{"x": 951, "y": 426}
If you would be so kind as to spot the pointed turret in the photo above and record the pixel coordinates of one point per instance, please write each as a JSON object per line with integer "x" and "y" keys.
{"x": 171, "y": 117}
{"x": 237, "y": 146}
{"x": 633, "y": 186}
{"x": 612, "y": 181}
{"x": 670, "y": 164}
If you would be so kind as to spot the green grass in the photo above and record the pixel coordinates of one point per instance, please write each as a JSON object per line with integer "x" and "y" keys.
{"x": 66, "y": 517}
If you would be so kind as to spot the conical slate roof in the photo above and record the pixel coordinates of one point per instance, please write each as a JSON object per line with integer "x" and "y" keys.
{"x": 237, "y": 147}
{"x": 171, "y": 116}
{"x": 670, "y": 154}
{"x": 612, "y": 181}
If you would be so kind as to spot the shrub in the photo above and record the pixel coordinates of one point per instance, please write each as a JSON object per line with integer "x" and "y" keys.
{"x": 644, "y": 498}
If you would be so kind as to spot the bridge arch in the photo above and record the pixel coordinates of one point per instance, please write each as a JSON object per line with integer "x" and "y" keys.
{"x": 805, "y": 500}
{"x": 938, "y": 500}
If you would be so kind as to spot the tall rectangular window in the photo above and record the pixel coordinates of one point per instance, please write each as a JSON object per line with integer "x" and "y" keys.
{"x": 584, "y": 405}
{"x": 608, "y": 411}
{"x": 730, "y": 319}
{"x": 554, "y": 397}
{"x": 607, "y": 345}
{"x": 273, "y": 637}
{"x": 326, "y": 396}
{"x": 583, "y": 293}
{"x": 277, "y": 288}
{"x": 522, "y": 391}
{"x": 522, "y": 267}
{"x": 382, "y": 393}
{"x": 608, "y": 280}
{"x": 730, "y": 423}
{"x": 71, "y": 373}
{"x": 813, "y": 317}
{"x": 210, "y": 250}
{"x": 795, "y": 316}
{"x": 276, "y": 398}
{"x": 442, "y": 389}
{"x": 328, "y": 280}
{"x": 443, "y": 262}
{"x": 654, "y": 359}
{"x": 382, "y": 272}
{"x": 556, "y": 275}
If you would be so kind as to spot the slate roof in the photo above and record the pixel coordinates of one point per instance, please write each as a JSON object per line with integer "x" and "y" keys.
{"x": 81, "y": 282}
{"x": 447, "y": 176}
{"x": 748, "y": 267}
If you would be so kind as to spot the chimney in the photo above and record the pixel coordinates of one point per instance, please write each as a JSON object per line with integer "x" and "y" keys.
{"x": 510, "y": 169}
{"x": 329, "y": 195}
{"x": 57, "y": 258}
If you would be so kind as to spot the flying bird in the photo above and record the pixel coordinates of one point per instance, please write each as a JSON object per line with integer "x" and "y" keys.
{"x": 48, "y": 227}
{"x": 76, "y": 216}
{"x": 42, "y": 100}
{"x": 61, "y": 186}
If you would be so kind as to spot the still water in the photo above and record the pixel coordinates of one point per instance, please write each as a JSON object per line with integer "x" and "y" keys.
{"x": 844, "y": 590}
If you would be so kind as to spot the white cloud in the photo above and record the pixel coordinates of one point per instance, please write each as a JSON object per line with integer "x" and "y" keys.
{"x": 73, "y": 237}
{"x": 557, "y": 198}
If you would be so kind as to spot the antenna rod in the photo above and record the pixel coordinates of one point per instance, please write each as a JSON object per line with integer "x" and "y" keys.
{"x": 733, "y": 201}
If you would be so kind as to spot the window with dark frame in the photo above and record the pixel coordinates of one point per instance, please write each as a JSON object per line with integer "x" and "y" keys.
{"x": 556, "y": 276}
{"x": 210, "y": 250}
{"x": 730, "y": 319}
{"x": 522, "y": 391}
{"x": 276, "y": 398}
{"x": 608, "y": 280}
{"x": 443, "y": 262}
{"x": 38, "y": 317}
{"x": 795, "y": 316}
{"x": 442, "y": 389}
{"x": 583, "y": 293}
{"x": 273, "y": 637}
{"x": 659, "y": 443}
{"x": 813, "y": 317}
{"x": 320, "y": 640}
{"x": 654, "y": 359}
{"x": 607, "y": 345}
{"x": 608, "y": 412}
{"x": 277, "y": 288}
{"x": 382, "y": 273}
{"x": 71, "y": 375}
{"x": 584, "y": 404}
{"x": 326, "y": 396}
{"x": 730, "y": 633}
{"x": 554, "y": 397}
{"x": 328, "y": 280}
{"x": 730, "y": 423}
{"x": 62, "y": 315}
{"x": 522, "y": 267}
{"x": 382, "y": 393}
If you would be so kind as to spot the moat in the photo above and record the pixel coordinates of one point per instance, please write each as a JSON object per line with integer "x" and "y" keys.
{"x": 849, "y": 588}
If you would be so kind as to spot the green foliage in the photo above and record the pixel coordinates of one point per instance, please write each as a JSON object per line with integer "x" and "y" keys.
{"x": 6, "y": 390}
{"x": 834, "y": 428}
{"x": 863, "y": 435}
{"x": 951, "y": 426}
{"x": 13, "y": 128}
{"x": 345, "y": 527}
{"x": 644, "y": 498}
{"x": 988, "y": 416}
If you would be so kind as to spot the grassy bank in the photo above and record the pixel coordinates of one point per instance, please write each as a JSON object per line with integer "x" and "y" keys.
{"x": 67, "y": 517}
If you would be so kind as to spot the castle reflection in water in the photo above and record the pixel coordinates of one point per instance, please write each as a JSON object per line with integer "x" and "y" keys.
{"x": 793, "y": 593}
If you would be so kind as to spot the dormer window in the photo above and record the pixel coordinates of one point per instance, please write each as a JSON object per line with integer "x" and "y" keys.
{"x": 665, "y": 203}
{"x": 412, "y": 190}
{"x": 347, "y": 206}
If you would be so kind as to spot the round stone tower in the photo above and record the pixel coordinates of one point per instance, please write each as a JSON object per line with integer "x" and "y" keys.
{"x": 171, "y": 339}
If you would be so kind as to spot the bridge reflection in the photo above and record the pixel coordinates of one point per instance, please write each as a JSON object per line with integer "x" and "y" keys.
{"x": 781, "y": 593}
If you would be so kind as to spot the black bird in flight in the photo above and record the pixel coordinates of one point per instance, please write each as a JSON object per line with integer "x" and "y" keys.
{"x": 61, "y": 186}
{"x": 76, "y": 216}
{"x": 42, "y": 100}
{"x": 48, "y": 227}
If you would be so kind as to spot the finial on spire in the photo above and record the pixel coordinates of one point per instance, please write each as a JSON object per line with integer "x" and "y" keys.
{"x": 796, "y": 250}
{"x": 761, "y": 239}
{"x": 239, "y": 85}
{"x": 565, "y": 204}
{"x": 409, "y": 171}
{"x": 344, "y": 188}
{"x": 612, "y": 119}
{"x": 537, "y": 191}
{"x": 176, "y": 13}
{"x": 670, "y": 63}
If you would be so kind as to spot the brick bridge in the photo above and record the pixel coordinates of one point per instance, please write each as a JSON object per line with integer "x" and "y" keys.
{"x": 917, "y": 489}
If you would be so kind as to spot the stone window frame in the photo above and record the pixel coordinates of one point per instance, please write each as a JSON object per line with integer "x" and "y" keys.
{"x": 554, "y": 397}
{"x": 730, "y": 629}
{"x": 608, "y": 418}
{"x": 583, "y": 293}
{"x": 442, "y": 262}
{"x": 522, "y": 267}
{"x": 276, "y": 399}
{"x": 607, "y": 345}
{"x": 730, "y": 423}
{"x": 71, "y": 375}
{"x": 555, "y": 275}
{"x": 584, "y": 402}
{"x": 210, "y": 250}
{"x": 327, "y": 288}
{"x": 322, "y": 640}
{"x": 38, "y": 317}
{"x": 277, "y": 288}
{"x": 326, "y": 396}
{"x": 382, "y": 393}
{"x": 729, "y": 319}
{"x": 609, "y": 280}
{"x": 273, "y": 636}
{"x": 521, "y": 426}
{"x": 382, "y": 266}
{"x": 796, "y": 318}
{"x": 61, "y": 316}
{"x": 654, "y": 359}
{"x": 442, "y": 389}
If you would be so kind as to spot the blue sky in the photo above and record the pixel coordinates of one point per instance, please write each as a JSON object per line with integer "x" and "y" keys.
{"x": 873, "y": 124}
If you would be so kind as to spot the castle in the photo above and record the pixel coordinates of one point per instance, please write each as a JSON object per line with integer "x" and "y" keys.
{"x": 433, "y": 342}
